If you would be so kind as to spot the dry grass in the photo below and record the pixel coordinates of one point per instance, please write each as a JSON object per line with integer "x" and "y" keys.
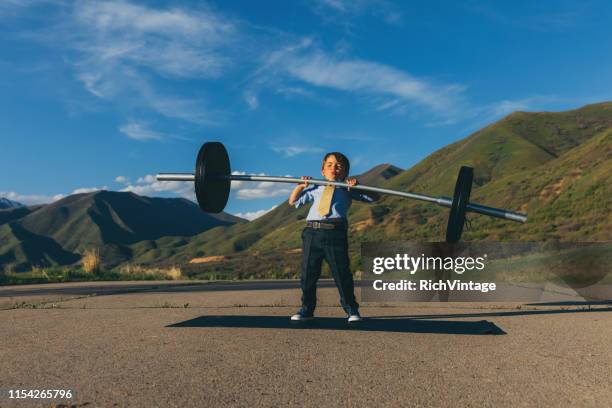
{"x": 554, "y": 190}
{"x": 91, "y": 261}
{"x": 172, "y": 272}
{"x": 206, "y": 259}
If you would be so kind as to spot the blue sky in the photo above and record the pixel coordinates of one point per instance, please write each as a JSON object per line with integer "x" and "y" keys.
{"x": 105, "y": 94}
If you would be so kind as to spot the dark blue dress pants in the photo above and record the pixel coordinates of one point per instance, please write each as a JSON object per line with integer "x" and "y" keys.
{"x": 331, "y": 245}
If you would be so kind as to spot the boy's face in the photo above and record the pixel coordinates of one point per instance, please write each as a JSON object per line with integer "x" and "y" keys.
{"x": 333, "y": 170}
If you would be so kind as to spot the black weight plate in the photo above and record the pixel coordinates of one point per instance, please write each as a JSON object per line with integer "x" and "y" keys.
{"x": 456, "y": 218}
{"x": 212, "y": 190}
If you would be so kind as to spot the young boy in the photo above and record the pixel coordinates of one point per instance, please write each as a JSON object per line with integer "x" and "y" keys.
{"x": 325, "y": 235}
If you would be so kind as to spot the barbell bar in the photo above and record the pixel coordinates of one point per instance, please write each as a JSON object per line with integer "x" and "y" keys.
{"x": 213, "y": 178}
{"x": 442, "y": 201}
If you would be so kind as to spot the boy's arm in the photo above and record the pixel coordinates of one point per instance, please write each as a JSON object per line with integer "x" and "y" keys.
{"x": 297, "y": 191}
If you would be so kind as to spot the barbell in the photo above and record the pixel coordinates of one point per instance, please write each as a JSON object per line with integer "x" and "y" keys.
{"x": 213, "y": 177}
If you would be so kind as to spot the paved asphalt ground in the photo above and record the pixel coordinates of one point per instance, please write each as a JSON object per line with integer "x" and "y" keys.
{"x": 177, "y": 344}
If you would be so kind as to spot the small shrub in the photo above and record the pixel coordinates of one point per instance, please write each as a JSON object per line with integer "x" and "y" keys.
{"x": 174, "y": 273}
{"x": 91, "y": 261}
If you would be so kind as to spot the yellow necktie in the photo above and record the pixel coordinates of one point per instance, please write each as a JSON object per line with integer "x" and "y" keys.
{"x": 325, "y": 202}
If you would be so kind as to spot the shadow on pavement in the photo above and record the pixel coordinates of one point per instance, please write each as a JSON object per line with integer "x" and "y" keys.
{"x": 397, "y": 324}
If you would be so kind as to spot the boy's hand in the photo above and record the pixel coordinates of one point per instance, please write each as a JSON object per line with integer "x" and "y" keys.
{"x": 297, "y": 191}
{"x": 305, "y": 178}
{"x": 352, "y": 181}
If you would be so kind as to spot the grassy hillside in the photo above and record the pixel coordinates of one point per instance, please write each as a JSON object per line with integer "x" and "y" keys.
{"x": 568, "y": 200}
{"x": 11, "y": 214}
{"x": 511, "y": 171}
{"x": 23, "y": 249}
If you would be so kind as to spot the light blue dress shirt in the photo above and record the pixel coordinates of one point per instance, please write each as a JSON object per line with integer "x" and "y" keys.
{"x": 341, "y": 201}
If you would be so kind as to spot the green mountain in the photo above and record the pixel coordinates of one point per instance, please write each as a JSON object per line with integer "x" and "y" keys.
{"x": 514, "y": 160}
{"x": 110, "y": 221}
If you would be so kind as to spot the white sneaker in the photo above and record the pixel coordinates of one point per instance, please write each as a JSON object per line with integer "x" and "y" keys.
{"x": 299, "y": 317}
{"x": 354, "y": 318}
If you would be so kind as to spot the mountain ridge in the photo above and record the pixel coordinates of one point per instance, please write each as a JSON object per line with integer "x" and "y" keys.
{"x": 8, "y": 203}
{"x": 107, "y": 220}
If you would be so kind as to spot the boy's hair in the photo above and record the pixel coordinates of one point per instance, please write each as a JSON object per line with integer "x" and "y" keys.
{"x": 344, "y": 161}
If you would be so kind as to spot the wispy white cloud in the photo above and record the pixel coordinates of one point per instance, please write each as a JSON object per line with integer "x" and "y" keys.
{"x": 293, "y": 92}
{"x": 251, "y": 215}
{"x": 290, "y": 91}
{"x": 251, "y": 100}
{"x": 174, "y": 42}
{"x": 130, "y": 90}
{"x": 189, "y": 110}
{"x": 341, "y": 11}
{"x": 290, "y": 151}
{"x": 31, "y": 199}
{"x": 391, "y": 89}
{"x": 369, "y": 77}
{"x": 130, "y": 54}
{"x": 139, "y": 131}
